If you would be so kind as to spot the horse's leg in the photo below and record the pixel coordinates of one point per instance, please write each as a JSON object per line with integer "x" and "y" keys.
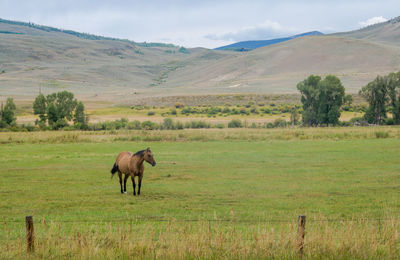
{"x": 120, "y": 180}
{"x": 140, "y": 183}
{"x": 125, "y": 179}
{"x": 134, "y": 185}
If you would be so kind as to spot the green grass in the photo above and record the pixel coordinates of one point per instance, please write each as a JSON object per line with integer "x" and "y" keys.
{"x": 273, "y": 179}
{"x": 68, "y": 184}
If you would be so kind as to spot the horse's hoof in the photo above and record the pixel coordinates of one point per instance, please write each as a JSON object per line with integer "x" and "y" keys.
{"x": 125, "y": 192}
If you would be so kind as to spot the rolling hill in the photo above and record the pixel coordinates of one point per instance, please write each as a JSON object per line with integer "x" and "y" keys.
{"x": 386, "y": 32}
{"x": 251, "y": 45}
{"x": 120, "y": 71}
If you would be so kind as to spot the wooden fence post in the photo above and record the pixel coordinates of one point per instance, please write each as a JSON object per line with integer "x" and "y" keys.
{"x": 30, "y": 237}
{"x": 300, "y": 233}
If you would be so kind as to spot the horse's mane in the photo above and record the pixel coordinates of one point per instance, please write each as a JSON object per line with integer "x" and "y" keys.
{"x": 140, "y": 153}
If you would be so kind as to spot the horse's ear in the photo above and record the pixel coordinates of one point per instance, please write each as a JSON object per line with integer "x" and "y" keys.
{"x": 148, "y": 149}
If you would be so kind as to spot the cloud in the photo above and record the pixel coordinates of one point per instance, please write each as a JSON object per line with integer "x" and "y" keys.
{"x": 373, "y": 20}
{"x": 267, "y": 30}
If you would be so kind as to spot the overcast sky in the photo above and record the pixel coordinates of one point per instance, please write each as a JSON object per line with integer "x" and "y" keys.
{"x": 200, "y": 23}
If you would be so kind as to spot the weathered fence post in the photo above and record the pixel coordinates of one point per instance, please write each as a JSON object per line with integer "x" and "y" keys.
{"x": 30, "y": 238}
{"x": 300, "y": 233}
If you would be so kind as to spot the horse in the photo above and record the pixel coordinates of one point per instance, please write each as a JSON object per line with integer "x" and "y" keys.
{"x": 132, "y": 165}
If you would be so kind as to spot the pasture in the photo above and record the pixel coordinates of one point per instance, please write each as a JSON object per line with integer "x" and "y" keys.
{"x": 216, "y": 193}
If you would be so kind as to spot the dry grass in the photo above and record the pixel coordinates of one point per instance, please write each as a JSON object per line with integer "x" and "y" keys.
{"x": 328, "y": 133}
{"x": 355, "y": 239}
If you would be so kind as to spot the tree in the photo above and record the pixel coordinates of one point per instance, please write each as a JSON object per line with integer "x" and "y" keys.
{"x": 52, "y": 115}
{"x": 393, "y": 82}
{"x": 8, "y": 112}
{"x": 40, "y": 107}
{"x": 80, "y": 118}
{"x": 309, "y": 98}
{"x": 376, "y": 93}
{"x": 321, "y": 99}
{"x": 57, "y": 108}
{"x": 64, "y": 102}
{"x": 294, "y": 116}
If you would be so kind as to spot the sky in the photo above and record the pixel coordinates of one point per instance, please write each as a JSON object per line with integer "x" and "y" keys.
{"x": 201, "y": 23}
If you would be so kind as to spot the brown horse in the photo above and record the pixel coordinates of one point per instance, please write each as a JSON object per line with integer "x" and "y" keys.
{"x": 132, "y": 165}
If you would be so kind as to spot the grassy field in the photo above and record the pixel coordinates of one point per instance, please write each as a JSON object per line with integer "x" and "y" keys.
{"x": 214, "y": 194}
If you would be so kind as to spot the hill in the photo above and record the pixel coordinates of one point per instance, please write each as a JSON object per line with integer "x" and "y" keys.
{"x": 386, "y": 32}
{"x": 97, "y": 68}
{"x": 251, "y": 45}
{"x": 278, "y": 68}
{"x": 107, "y": 70}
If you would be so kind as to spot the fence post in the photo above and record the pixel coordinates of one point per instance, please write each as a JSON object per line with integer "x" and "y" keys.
{"x": 300, "y": 233}
{"x": 30, "y": 238}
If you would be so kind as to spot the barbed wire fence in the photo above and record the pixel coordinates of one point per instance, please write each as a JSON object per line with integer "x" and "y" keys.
{"x": 301, "y": 223}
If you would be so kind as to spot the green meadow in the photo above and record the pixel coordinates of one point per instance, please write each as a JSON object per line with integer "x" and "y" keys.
{"x": 202, "y": 194}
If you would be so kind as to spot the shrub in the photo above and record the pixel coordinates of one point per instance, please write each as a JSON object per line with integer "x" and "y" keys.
{"x": 179, "y": 125}
{"x": 220, "y": 126}
{"x": 389, "y": 121}
{"x": 270, "y": 125}
{"x": 178, "y": 105}
{"x": 280, "y": 123}
{"x": 226, "y": 110}
{"x": 151, "y": 113}
{"x": 148, "y": 125}
{"x": 381, "y": 134}
{"x": 254, "y": 110}
{"x": 235, "y": 123}
{"x": 168, "y": 124}
{"x": 134, "y": 125}
{"x": 197, "y": 124}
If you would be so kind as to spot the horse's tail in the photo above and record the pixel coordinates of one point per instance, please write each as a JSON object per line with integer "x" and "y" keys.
{"x": 114, "y": 170}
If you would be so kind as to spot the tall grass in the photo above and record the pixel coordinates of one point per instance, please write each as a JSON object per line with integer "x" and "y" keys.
{"x": 352, "y": 239}
{"x": 183, "y": 135}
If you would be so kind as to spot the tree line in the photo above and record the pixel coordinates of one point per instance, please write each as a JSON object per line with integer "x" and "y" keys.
{"x": 323, "y": 99}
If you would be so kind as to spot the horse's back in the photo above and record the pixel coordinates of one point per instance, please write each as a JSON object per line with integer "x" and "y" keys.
{"x": 123, "y": 160}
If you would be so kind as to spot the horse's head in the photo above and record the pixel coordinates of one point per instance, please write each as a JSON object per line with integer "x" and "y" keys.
{"x": 148, "y": 157}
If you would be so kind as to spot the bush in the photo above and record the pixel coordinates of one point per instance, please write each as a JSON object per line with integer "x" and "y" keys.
{"x": 151, "y": 113}
{"x": 381, "y": 134}
{"x": 178, "y": 105}
{"x": 389, "y": 121}
{"x": 226, "y": 110}
{"x": 345, "y": 123}
{"x": 148, "y": 125}
{"x": 270, "y": 125}
{"x": 220, "y": 126}
{"x": 61, "y": 123}
{"x": 280, "y": 123}
{"x": 197, "y": 124}
{"x": 134, "y": 125}
{"x": 3, "y": 124}
{"x": 235, "y": 123}
{"x": 168, "y": 124}
{"x": 179, "y": 125}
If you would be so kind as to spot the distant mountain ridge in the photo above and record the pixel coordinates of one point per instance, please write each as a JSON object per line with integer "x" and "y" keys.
{"x": 251, "y": 45}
